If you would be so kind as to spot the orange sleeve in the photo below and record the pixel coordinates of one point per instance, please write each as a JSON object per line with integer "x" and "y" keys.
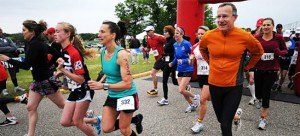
{"x": 256, "y": 50}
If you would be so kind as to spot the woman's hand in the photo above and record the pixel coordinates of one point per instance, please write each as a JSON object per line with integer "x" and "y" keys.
{"x": 170, "y": 64}
{"x": 3, "y": 57}
{"x": 60, "y": 62}
{"x": 94, "y": 85}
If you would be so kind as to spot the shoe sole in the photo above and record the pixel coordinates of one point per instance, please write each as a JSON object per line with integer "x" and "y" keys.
{"x": 152, "y": 94}
{"x": 9, "y": 124}
{"x": 260, "y": 128}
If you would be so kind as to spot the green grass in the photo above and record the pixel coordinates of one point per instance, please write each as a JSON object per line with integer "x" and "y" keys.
{"x": 24, "y": 77}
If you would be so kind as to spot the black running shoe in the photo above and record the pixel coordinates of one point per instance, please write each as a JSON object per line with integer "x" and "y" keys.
{"x": 139, "y": 126}
{"x": 7, "y": 122}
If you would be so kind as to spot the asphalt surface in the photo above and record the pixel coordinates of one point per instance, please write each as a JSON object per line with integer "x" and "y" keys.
{"x": 170, "y": 120}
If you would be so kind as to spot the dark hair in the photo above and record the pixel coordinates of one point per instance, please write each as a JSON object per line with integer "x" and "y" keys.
{"x": 37, "y": 28}
{"x": 114, "y": 28}
{"x": 234, "y": 10}
{"x": 268, "y": 18}
{"x": 170, "y": 29}
{"x": 278, "y": 26}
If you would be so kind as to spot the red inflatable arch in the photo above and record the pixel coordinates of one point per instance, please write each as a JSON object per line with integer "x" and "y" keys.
{"x": 190, "y": 15}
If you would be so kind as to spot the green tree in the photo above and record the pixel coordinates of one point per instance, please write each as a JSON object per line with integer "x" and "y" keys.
{"x": 139, "y": 13}
{"x": 209, "y": 20}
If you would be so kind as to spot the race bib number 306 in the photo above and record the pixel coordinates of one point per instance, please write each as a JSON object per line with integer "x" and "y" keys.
{"x": 126, "y": 103}
{"x": 267, "y": 56}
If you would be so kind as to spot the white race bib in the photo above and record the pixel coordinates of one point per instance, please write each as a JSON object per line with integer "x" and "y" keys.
{"x": 167, "y": 58}
{"x": 203, "y": 68}
{"x": 267, "y": 56}
{"x": 155, "y": 53}
{"x": 126, "y": 103}
{"x": 176, "y": 74}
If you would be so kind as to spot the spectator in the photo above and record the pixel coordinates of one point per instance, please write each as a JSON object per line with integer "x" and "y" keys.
{"x": 144, "y": 50}
{"x": 134, "y": 45}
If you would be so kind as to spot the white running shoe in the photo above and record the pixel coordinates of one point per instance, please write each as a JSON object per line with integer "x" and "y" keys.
{"x": 252, "y": 101}
{"x": 4, "y": 92}
{"x": 238, "y": 123}
{"x": 19, "y": 89}
{"x": 190, "y": 108}
{"x": 196, "y": 101}
{"x": 262, "y": 124}
{"x": 9, "y": 121}
{"x": 90, "y": 114}
{"x": 188, "y": 88}
{"x": 163, "y": 102}
{"x": 198, "y": 127}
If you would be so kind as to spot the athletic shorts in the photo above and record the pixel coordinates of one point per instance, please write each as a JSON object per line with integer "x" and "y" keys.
{"x": 185, "y": 74}
{"x": 80, "y": 96}
{"x": 284, "y": 63}
{"x": 112, "y": 102}
{"x": 45, "y": 87}
{"x": 159, "y": 65}
{"x": 202, "y": 80}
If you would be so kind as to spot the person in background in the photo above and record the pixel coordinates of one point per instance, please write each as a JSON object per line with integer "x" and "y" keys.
{"x": 168, "y": 57}
{"x": 134, "y": 45}
{"x": 279, "y": 29}
{"x": 155, "y": 42}
{"x": 6, "y": 43}
{"x": 185, "y": 68}
{"x": 118, "y": 83}
{"x": 144, "y": 50}
{"x": 227, "y": 45}
{"x": 265, "y": 70}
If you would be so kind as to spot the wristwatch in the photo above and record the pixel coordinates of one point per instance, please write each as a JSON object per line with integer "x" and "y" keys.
{"x": 105, "y": 86}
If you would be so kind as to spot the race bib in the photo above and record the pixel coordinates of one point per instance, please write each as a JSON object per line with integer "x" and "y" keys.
{"x": 155, "y": 53}
{"x": 167, "y": 58}
{"x": 72, "y": 84}
{"x": 176, "y": 74}
{"x": 267, "y": 56}
{"x": 126, "y": 103}
{"x": 203, "y": 68}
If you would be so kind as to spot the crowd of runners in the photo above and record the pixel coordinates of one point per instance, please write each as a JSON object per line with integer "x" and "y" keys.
{"x": 224, "y": 57}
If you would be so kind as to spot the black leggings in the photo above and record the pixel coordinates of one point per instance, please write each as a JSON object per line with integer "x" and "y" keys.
{"x": 225, "y": 102}
{"x": 12, "y": 72}
{"x": 3, "y": 106}
{"x": 264, "y": 81}
{"x": 166, "y": 74}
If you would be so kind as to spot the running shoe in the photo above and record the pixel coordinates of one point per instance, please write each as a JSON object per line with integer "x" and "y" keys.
{"x": 262, "y": 124}
{"x": 24, "y": 98}
{"x": 258, "y": 104}
{"x": 9, "y": 121}
{"x": 198, "y": 127}
{"x": 274, "y": 87}
{"x": 237, "y": 122}
{"x": 190, "y": 108}
{"x": 138, "y": 125}
{"x": 97, "y": 126}
{"x": 90, "y": 114}
{"x": 19, "y": 89}
{"x": 188, "y": 88}
{"x": 196, "y": 101}
{"x": 163, "y": 102}
{"x": 152, "y": 92}
{"x": 4, "y": 92}
{"x": 252, "y": 101}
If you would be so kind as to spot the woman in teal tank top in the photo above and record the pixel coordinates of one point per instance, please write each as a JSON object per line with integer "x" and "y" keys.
{"x": 122, "y": 99}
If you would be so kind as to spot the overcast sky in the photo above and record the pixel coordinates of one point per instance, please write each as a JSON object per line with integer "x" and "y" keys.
{"x": 87, "y": 15}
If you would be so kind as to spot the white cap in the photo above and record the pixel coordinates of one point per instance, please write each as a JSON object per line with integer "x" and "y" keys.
{"x": 148, "y": 28}
{"x": 298, "y": 30}
{"x": 287, "y": 33}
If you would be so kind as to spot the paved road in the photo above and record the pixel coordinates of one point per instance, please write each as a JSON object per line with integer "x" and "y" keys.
{"x": 168, "y": 120}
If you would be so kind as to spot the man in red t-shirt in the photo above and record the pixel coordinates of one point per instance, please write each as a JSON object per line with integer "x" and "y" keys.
{"x": 156, "y": 43}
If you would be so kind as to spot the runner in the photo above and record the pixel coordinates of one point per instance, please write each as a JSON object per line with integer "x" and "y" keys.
{"x": 75, "y": 72}
{"x": 267, "y": 67}
{"x": 44, "y": 83}
{"x": 168, "y": 57}
{"x": 184, "y": 63}
{"x": 122, "y": 100}
{"x": 224, "y": 49}
{"x": 156, "y": 43}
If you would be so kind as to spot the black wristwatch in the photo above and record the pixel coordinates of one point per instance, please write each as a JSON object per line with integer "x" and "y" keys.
{"x": 105, "y": 86}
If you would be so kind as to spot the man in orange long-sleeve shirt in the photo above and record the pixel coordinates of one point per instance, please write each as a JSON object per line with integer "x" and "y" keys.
{"x": 224, "y": 48}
